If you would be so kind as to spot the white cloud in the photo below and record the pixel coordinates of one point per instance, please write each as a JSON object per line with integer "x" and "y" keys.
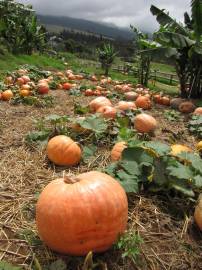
{"x": 119, "y": 12}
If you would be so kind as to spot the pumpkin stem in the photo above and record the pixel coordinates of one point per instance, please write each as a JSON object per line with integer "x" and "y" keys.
{"x": 70, "y": 180}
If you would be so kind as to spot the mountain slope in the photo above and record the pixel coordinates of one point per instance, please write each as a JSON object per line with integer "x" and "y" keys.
{"x": 85, "y": 25}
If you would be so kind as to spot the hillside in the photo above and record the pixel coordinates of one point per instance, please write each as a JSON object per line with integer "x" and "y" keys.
{"x": 85, "y": 25}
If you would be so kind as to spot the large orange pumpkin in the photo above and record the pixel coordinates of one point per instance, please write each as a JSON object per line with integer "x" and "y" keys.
{"x": 98, "y": 102}
{"x": 86, "y": 213}
{"x": 126, "y": 105}
{"x": 117, "y": 150}
{"x": 145, "y": 123}
{"x": 108, "y": 112}
{"x": 63, "y": 151}
{"x": 143, "y": 102}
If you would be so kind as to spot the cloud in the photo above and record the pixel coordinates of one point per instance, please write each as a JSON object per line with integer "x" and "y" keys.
{"x": 119, "y": 12}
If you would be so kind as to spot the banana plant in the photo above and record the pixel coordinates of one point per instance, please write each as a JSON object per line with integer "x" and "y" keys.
{"x": 106, "y": 55}
{"x": 19, "y": 29}
{"x": 181, "y": 42}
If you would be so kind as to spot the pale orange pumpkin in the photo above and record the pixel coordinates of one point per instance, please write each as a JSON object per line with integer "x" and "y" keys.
{"x": 179, "y": 148}
{"x": 145, "y": 123}
{"x": 20, "y": 81}
{"x": 63, "y": 151}
{"x": 82, "y": 214}
{"x": 26, "y": 87}
{"x": 143, "y": 102}
{"x": 117, "y": 150}
{"x": 198, "y": 111}
{"x": 26, "y": 79}
{"x": 8, "y": 80}
{"x": 198, "y": 212}
{"x": 165, "y": 101}
{"x": 7, "y": 95}
{"x": 125, "y": 105}
{"x": 108, "y": 112}
{"x": 98, "y": 102}
{"x": 131, "y": 96}
{"x": 186, "y": 107}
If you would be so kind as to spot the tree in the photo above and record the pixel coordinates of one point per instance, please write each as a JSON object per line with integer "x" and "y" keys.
{"x": 106, "y": 56}
{"x": 19, "y": 29}
{"x": 183, "y": 44}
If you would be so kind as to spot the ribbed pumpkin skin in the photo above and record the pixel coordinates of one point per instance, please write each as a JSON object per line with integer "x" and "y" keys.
{"x": 117, "y": 150}
{"x": 63, "y": 151}
{"x": 178, "y": 148}
{"x": 145, "y": 123}
{"x": 85, "y": 216}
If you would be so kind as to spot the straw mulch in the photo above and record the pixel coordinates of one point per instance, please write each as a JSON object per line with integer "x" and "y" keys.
{"x": 171, "y": 240}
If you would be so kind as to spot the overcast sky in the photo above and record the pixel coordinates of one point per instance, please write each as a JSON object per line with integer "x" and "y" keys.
{"x": 119, "y": 12}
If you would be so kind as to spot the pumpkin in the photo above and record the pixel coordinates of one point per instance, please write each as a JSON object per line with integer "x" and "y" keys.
{"x": 186, "y": 107}
{"x": 20, "y": 81}
{"x": 126, "y": 88}
{"x": 131, "y": 96}
{"x": 26, "y": 79}
{"x": 165, "y": 101}
{"x": 7, "y": 95}
{"x": 98, "y": 102}
{"x": 198, "y": 213}
{"x": 125, "y": 105}
{"x": 26, "y": 87}
{"x": 97, "y": 93}
{"x": 107, "y": 112}
{"x": 94, "y": 78}
{"x": 79, "y": 77}
{"x": 22, "y": 72}
{"x": 89, "y": 92}
{"x": 77, "y": 127}
{"x": 71, "y": 77}
{"x": 145, "y": 123}
{"x": 178, "y": 148}
{"x": 63, "y": 151}
{"x": 143, "y": 102}
{"x": 59, "y": 74}
{"x": 43, "y": 88}
{"x": 198, "y": 111}
{"x": 24, "y": 92}
{"x": 118, "y": 88}
{"x": 199, "y": 146}
{"x": 157, "y": 99}
{"x": 67, "y": 86}
{"x": 175, "y": 102}
{"x": 82, "y": 214}
{"x": 8, "y": 80}
{"x": 117, "y": 150}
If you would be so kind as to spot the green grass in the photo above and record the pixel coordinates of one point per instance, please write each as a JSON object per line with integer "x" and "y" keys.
{"x": 163, "y": 67}
{"x": 10, "y": 62}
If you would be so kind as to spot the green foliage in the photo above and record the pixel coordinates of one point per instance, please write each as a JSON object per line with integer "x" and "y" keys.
{"x": 195, "y": 126}
{"x": 88, "y": 152}
{"x": 7, "y": 266}
{"x": 150, "y": 165}
{"x": 172, "y": 115}
{"x": 106, "y": 56}
{"x": 19, "y": 29}
{"x": 129, "y": 243}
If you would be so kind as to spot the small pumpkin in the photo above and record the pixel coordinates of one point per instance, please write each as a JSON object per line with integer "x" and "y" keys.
{"x": 108, "y": 112}
{"x": 94, "y": 78}
{"x": 63, "y": 151}
{"x": 132, "y": 96}
{"x": 186, "y": 107}
{"x": 157, "y": 99}
{"x": 7, "y": 95}
{"x": 89, "y": 92}
{"x": 145, "y": 123}
{"x": 198, "y": 111}
{"x": 117, "y": 150}
{"x": 199, "y": 146}
{"x": 8, "y": 80}
{"x": 26, "y": 79}
{"x": 165, "y": 101}
{"x": 43, "y": 88}
{"x": 24, "y": 92}
{"x": 67, "y": 86}
{"x": 82, "y": 214}
{"x": 125, "y": 105}
{"x": 179, "y": 148}
{"x": 26, "y": 87}
{"x": 98, "y": 102}
{"x": 143, "y": 102}
{"x": 20, "y": 81}
{"x": 198, "y": 213}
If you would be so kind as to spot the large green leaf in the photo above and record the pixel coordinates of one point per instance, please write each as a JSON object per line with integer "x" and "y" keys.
{"x": 165, "y": 20}
{"x": 197, "y": 17}
{"x": 173, "y": 40}
{"x": 137, "y": 154}
{"x": 7, "y": 266}
{"x": 161, "y": 53}
{"x": 158, "y": 148}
